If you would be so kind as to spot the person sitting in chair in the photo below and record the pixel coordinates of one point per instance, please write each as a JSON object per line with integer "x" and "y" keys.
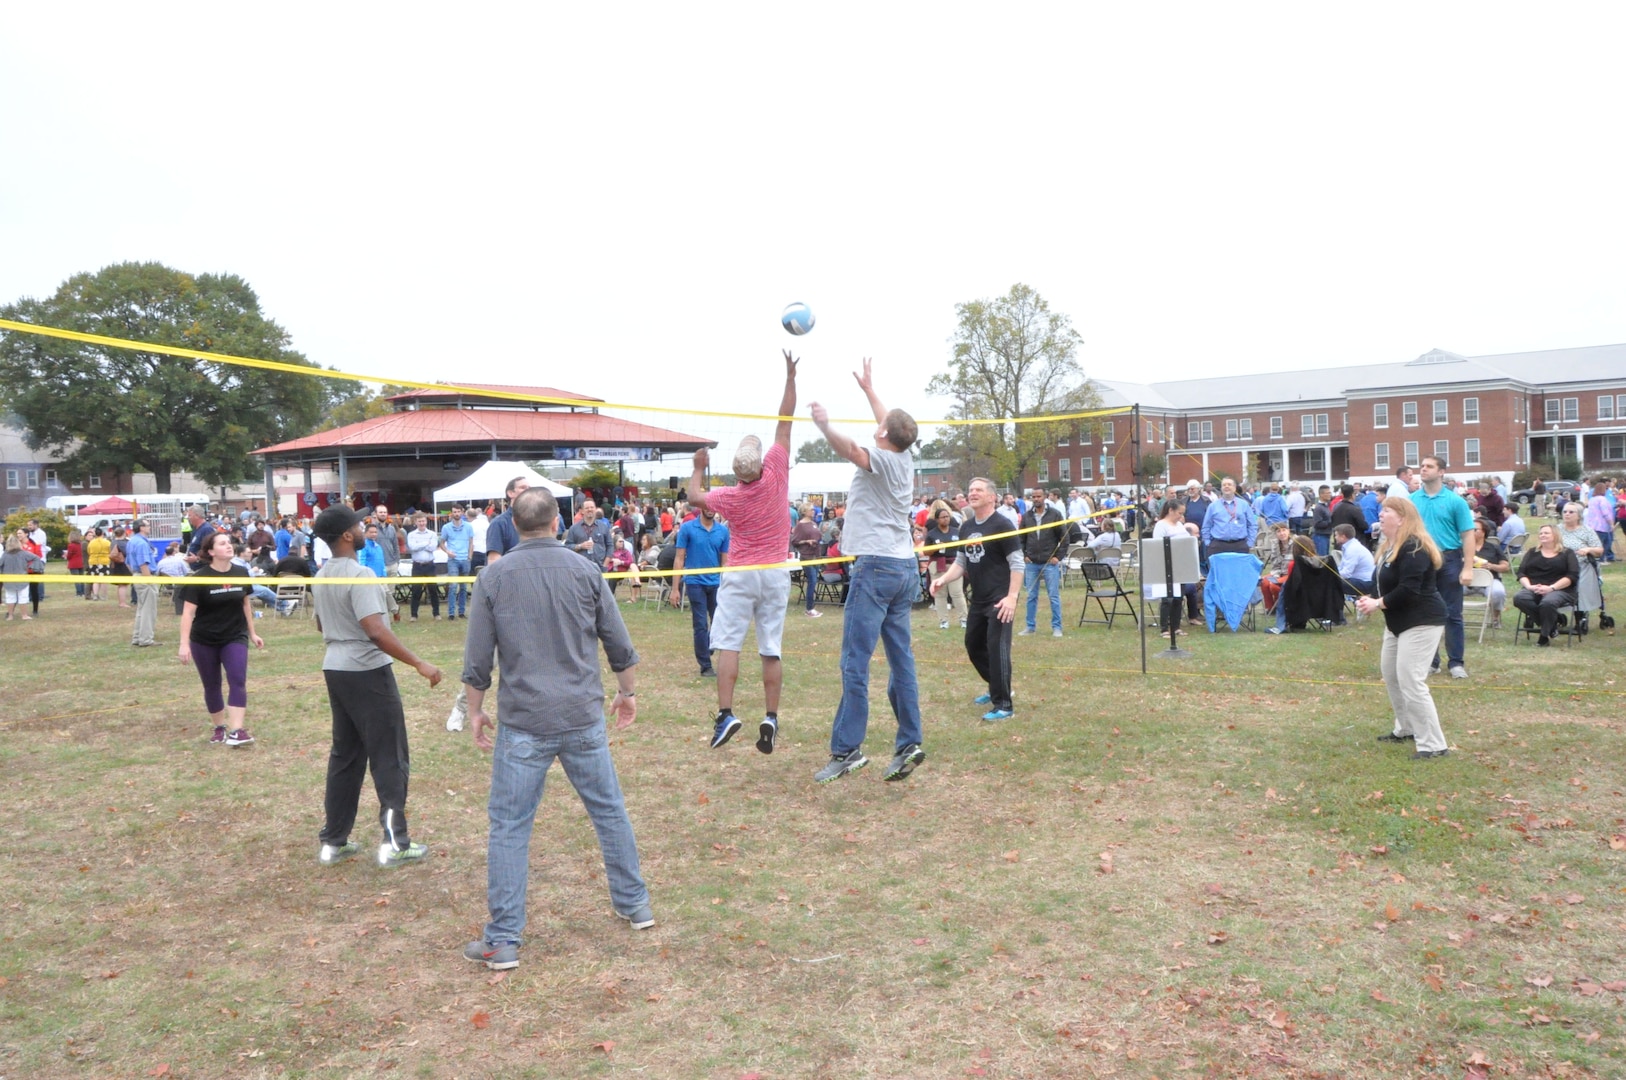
{"x": 1547, "y": 579}
{"x": 1491, "y": 557}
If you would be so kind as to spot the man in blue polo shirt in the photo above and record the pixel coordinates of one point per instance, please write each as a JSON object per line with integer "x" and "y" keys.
{"x": 457, "y": 541}
{"x": 702, "y": 544}
{"x": 1451, "y": 525}
{"x": 1229, "y": 524}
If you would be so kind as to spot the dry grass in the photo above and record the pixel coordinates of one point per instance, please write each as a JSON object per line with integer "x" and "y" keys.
{"x": 1285, "y": 896}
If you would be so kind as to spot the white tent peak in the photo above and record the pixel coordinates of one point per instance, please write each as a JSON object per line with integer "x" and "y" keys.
{"x": 490, "y": 481}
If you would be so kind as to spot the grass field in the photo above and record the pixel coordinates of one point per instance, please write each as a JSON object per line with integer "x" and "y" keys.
{"x": 1210, "y": 871}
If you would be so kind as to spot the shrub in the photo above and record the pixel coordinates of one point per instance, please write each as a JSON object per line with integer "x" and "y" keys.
{"x": 52, "y": 521}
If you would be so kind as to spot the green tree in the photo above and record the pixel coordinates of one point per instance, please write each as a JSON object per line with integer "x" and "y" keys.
{"x": 103, "y": 408}
{"x": 816, "y": 450}
{"x": 363, "y": 404}
{"x": 1013, "y": 357}
{"x": 1152, "y": 466}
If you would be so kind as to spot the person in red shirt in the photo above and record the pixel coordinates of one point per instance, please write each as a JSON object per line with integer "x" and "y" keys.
{"x": 759, "y": 536}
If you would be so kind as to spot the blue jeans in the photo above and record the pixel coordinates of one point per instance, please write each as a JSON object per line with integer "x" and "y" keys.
{"x": 457, "y": 596}
{"x": 519, "y": 767}
{"x": 1323, "y": 545}
{"x": 1052, "y": 587}
{"x": 702, "y": 609}
{"x": 1448, "y": 580}
{"x": 879, "y": 596}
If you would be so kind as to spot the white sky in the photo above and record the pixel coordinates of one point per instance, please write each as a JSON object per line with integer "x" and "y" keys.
{"x": 619, "y": 199}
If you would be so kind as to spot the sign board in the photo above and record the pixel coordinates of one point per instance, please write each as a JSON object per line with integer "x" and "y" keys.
{"x": 604, "y": 453}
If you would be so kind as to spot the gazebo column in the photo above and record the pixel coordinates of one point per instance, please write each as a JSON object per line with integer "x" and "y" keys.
{"x": 344, "y": 478}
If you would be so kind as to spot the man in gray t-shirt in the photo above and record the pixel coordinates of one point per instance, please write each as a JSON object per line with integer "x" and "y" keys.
{"x": 369, "y": 724}
{"x": 884, "y": 580}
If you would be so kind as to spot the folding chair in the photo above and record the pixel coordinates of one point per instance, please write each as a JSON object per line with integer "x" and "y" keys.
{"x": 828, "y": 587}
{"x": 1476, "y": 597}
{"x": 1071, "y": 566}
{"x": 1231, "y": 591}
{"x": 297, "y": 597}
{"x": 1569, "y": 626}
{"x": 1102, "y": 584}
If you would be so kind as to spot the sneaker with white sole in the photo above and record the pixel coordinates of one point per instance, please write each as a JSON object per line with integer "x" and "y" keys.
{"x": 240, "y": 737}
{"x": 1458, "y": 671}
{"x": 942, "y": 624}
{"x": 642, "y": 919}
{"x": 496, "y": 955}
{"x": 981, "y": 699}
{"x": 994, "y": 716}
{"x": 815, "y": 614}
{"x": 454, "y": 722}
{"x": 840, "y": 765}
{"x": 332, "y": 854}
{"x": 390, "y": 856}
{"x": 767, "y": 733}
{"x": 727, "y": 724}
{"x": 904, "y": 762}
{"x": 219, "y": 735}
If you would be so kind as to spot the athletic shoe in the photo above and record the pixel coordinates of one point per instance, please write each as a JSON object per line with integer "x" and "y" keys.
{"x": 981, "y": 699}
{"x": 240, "y": 737}
{"x": 496, "y": 955}
{"x": 993, "y": 716}
{"x": 1055, "y": 633}
{"x": 390, "y": 856}
{"x": 962, "y": 624}
{"x": 904, "y": 762}
{"x": 1392, "y": 737}
{"x": 1426, "y": 754}
{"x": 454, "y": 722}
{"x": 815, "y": 614}
{"x": 1025, "y": 633}
{"x": 840, "y": 765}
{"x": 642, "y": 919}
{"x": 1458, "y": 671}
{"x": 337, "y": 853}
{"x": 1274, "y": 630}
{"x": 220, "y": 734}
{"x": 709, "y": 673}
{"x": 727, "y": 725}
{"x": 767, "y": 732}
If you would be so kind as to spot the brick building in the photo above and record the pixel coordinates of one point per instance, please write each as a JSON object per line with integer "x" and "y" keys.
{"x": 1486, "y": 415}
{"x": 30, "y": 476}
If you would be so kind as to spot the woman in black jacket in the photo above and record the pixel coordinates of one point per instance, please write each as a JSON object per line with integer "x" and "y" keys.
{"x": 1547, "y": 577}
{"x": 1414, "y": 620}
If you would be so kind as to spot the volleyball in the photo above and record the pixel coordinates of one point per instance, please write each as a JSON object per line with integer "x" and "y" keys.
{"x": 797, "y": 318}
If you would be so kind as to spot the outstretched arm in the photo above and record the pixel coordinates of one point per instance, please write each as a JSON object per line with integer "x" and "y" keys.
{"x": 787, "y": 404}
{"x": 866, "y": 382}
{"x": 697, "y": 479}
{"x": 840, "y": 443}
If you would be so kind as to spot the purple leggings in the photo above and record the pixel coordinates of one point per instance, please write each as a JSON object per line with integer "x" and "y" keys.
{"x": 210, "y": 659}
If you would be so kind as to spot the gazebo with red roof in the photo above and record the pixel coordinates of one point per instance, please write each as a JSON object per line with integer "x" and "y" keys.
{"x": 436, "y": 437}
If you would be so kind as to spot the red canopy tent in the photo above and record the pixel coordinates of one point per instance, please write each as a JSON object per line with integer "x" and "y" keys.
{"x": 113, "y": 506}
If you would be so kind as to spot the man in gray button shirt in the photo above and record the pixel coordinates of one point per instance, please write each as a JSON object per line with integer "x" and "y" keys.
{"x": 555, "y": 608}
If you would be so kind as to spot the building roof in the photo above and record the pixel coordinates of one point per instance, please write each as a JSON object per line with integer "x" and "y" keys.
{"x": 439, "y": 429}
{"x": 1436, "y": 367}
{"x": 494, "y": 390}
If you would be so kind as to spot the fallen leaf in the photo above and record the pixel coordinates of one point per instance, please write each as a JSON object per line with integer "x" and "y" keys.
{"x": 1617, "y": 843}
{"x": 851, "y": 838}
{"x": 1589, "y": 1038}
{"x": 1380, "y": 849}
{"x": 497, "y": 978}
{"x": 605, "y": 1046}
{"x": 1542, "y": 981}
{"x": 703, "y": 799}
{"x": 1106, "y": 863}
{"x": 1574, "y": 898}
{"x": 1588, "y": 989}
{"x": 159, "y": 1070}
{"x": 1012, "y": 855}
{"x": 1615, "y": 987}
{"x": 1218, "y": 937}
{"x": 1391, "y": 912}
{"x": 1379, "y": 995}
{"x": 1434, "y": 983}
{"x": 921, "y": 941}
{"x": 481, "y": 1020}
{"x": 1277, "y": 1019}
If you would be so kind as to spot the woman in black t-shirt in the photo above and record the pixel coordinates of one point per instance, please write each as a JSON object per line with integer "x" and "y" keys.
{"x": 1547, "y": 577}
{"x": 216, "y": 629}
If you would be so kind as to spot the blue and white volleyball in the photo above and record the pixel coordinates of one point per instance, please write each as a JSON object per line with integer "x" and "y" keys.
{"x": 797, "y": 319}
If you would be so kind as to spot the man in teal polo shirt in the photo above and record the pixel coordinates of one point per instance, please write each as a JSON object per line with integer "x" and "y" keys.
{"x": 1451, "y": 526}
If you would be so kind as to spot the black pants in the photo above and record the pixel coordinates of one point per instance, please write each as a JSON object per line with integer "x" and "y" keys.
{"x": 369, "y": 729}
{"x": 988, "y": 644}
{"x": 1544, "y": 608}
{"x": 422, "y": 570}
{"x": 1169, "y": 607}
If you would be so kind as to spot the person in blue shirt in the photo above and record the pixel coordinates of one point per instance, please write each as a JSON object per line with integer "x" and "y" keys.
{"x": 702, "y": 544}
{"x": 1450, "y": 525}
{"x": 501, "y": 538}
{"x": 1229, "y": 524}
{"x": 1272, "y": 507}
{"x": 457, "y": 541}
{"x": 284, "y": 539}
{"x": 372, "y": 557}
{"x": 141, "y": 560}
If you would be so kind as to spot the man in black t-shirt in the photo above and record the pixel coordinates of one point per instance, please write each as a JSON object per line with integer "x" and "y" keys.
{"x": 994, "y": 568}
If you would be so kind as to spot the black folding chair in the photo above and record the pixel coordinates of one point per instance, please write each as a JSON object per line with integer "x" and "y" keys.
{"x": 1101, "y": 584}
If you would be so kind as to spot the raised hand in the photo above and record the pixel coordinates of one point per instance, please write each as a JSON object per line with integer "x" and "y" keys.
{"x": 790, "y": 365}
{"x": 821, "y": 415}
{"x": 702, "y": 458}
{"x": 866, "y": 381}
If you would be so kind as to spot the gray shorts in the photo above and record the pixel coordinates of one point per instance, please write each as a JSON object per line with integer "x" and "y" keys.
{"x": 746, "y": 596}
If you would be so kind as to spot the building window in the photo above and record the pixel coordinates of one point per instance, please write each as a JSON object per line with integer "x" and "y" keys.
{"x": 1151, "y": 432}
{"x": 1572, "y": 410}
{"x": 1470, "y": 452}
{"x": 1108, "y": 432}
{"x": 1442, "y": 411}
{"x": 79, "y": 483}
{"x": 1162, "y": 433}
{"x": 1275, "y": 427}
{"x": 1314, "y": 461}
{"x": 1065, "y": 440}
{"x": 95, "y": 481}
{"x": 1246, "y": 428}
{"x": 1307, "y": 425}
{"x": 1109, "y": 469}
{"x": 1380, "y": 456}
{"x": 1552, "y": 410}
{"x": 1194, "y": 433}
{"x": 1231, "y": 431}
{"x": 1208, "y": 431}
{"x": 1084, "y": 435}
{"x": 11, "y": 479}
{"x": 1321, "y": 427}
{"x": 1044, "y": 471}
{"x": 1408, "y": 414}
{"x": 50, "y": 478}
{"x": 1346, "y": 422}
{"x": 33, "y": 479}
{"x": 1614, "y": 447}
{"x": 1442, "y": 450}
{"x": 1620, "y": 406}
{"x": 1412, "y": 460}
{"x": 1086, "y": 470}
{"x": 1470, "y": 410}
{"x": 1380, "y": 414}
{"x": 1064, "y": 469}
{"x": 1606, "y": 407}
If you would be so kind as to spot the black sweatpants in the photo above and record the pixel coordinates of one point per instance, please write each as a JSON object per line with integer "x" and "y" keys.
{"x": 369, "y": 729}
{"x": 988, "y": 644}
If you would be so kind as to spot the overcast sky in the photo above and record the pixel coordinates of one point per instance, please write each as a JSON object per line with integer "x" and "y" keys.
{"x": 619, "y": 199}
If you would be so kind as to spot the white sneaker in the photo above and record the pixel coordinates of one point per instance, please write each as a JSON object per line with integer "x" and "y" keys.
{"x": 942, "y": 624}
{"x": 454, "y": 722}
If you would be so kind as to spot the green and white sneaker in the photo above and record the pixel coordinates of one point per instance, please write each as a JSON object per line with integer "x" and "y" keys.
{"x": 332, "y": 854}
{"x": 904, "y": 762}
{"x": 391, "y": 856}
{"x": 840, "y": 766}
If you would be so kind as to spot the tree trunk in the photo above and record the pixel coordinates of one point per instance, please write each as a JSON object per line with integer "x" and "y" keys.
{"x": 161, "y": 478}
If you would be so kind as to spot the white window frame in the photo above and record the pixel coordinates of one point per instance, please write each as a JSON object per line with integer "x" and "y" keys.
{"x": 1606, "y": 406}
{"x": 1065, "y": 440}
{"x": 1411, "y": 459}
{"x": 1109, "y": 432}
{"x": 1614, "y": 447}
{"x": 1408, "y": 414}
{"x": 1380, "y": 456}
{"x": 1307, "y": 426}
{"x": 1470, "y": 410}
{"x": 1245, "y": 428}
{"x": 1551, "y": 410}
{"x": 1442, "y": 450}
{"x": 13, "y": 479}
{"x": 1620, "y": 406}
{"x": 1044, "y": 470}
{"x": 95, "y": 481}
{"x": 1086, "y": 470}
{"x": 1109, "y": 470}
{"x": 1380, "y": 414}
{"x": 32, "y": 477}
{"x": 1194, "y": 433}
{"x": 1064, "y": 470}
{"x": 1315, "y": 460}
{"x": 1442, "y": 412}
{"x": 1346, "y": 421}
{"x": 1233, "y": 430}
{"x": 1470, "y": 453}
{"x": 1208, "y": 431}
{"x": 50, "y": 478}
{"x": 1572, "y": 410}
{"x": 1275, "y": 427}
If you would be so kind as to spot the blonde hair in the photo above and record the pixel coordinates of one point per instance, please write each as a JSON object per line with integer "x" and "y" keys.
{"x": 12, "y": 543}
{"x": 1411, "y": 528}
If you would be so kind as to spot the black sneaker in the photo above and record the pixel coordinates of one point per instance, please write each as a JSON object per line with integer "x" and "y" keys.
{"x": 904, "y": 762}
{"x": 767, "y": 732}
{"x": 1392, "y": 737}
{"x": 1424, "y": 755}
{"x": 727, "y": 725}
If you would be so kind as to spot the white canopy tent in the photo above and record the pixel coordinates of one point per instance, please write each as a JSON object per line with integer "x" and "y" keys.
{"x": 490, "y": 481}
{"x": 821, "y": 478}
